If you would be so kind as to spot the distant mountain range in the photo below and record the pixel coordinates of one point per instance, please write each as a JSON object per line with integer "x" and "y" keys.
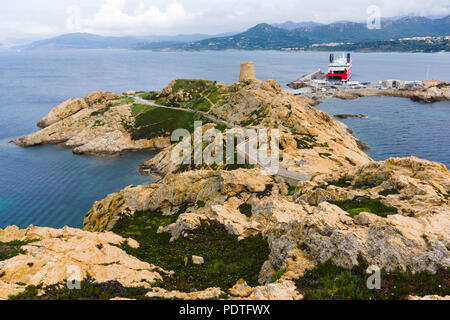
{"x": 269, "y": 37}
{"x": 93, "y": 41}
{"x": 279, "y": 36}
{"x": 425, "y": 44}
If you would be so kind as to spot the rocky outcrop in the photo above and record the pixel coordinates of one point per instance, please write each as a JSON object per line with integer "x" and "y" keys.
{"x": 394, "y": 214}
{"x": 312, "y": 142}
{"x": 64, "y": 110}
{"x": 93, "y": 125}
{"x": 429, "y": 298}
{"x": 421, "y": 94}
{"x": 208, "y": 294}
{"x": 73, "y": 254}
{"x": 414, "y": 186}
{"x": 308, "y": 229}
{"x": 172, "y": 192}
{"x": 346, "y": 116}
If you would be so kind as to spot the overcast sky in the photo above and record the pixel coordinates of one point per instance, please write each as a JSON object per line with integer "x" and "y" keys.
{"x": 43, "y": 18}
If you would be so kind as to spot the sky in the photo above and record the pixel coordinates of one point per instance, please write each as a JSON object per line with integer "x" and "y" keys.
{"x": 44, "y": 18}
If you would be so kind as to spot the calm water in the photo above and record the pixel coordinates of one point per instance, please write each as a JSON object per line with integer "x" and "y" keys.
{"x": 398, "y": 127}
{"x": 49, "y": 186}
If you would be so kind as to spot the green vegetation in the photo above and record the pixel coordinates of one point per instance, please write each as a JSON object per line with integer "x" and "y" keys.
{"x": 246, "y": 209}
{"x": 388, "y": 192}
{"x": 198, "y": 94}
{"x": 305, "y": 142}
{"x": 325, "y": 155}
{"x": 277, "y": 275}
{"x": 432, "y": 45}
{"x": 226, "y": 164}
{"x": 342, "y": 183}
{"x": 129, "y": 100}
{"x": 151, "y": 95}
{"x": 98, "y": 123}
{"x": 151, "y": 122}
{"x": 200, "y": 204}
{"x": 122, "y": 100}
{"x": 255, "y": 118}
{"x": 350, "y": 161}
{"x": 368, "y": 183}
{"x": 11, "y": 249}
{"x": 266, "y": 193}
{"x": 443, "y": 85}
{"x": 102, "y": 111}
{"x": 139, "y": 108}
{"x": 89, "y": 291}
{"x": 192, "y": 85}
{"x": 352, "y": 36}
{"x": 375, "y": 206}
{"x": 291, "y": 189}
{"x": 328, "y": 281}
{"x": 226, "y": 259}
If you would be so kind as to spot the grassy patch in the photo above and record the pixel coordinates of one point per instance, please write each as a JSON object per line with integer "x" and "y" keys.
{"x": 151, "y": 122}
{"x": 368, "y": 184}
{"x": 266, "y": 193}
{"x": 137, "y": 108}
{"x": 11, "y": 249}
{"x": 227, "y": 163}
{"x": 246, "y": 209}
{"x": 151, "y": 95}
{"x": 98, "y": 123}
{"x": 388, "y": 192}
{"x": 89, "y": 291}
{"x": 375, "y": 206}
{"x": 226, "y": 259}
{"x": 341, "y": 182}
{"x": 350, "y": 161}
{"x": 198, "y": 94}
{"x": 291, "y": 189}
{"x": 191, "y": 85}
{"x": 328, "y": 281}
{"x": 277, "y": 275}
{"x": 325, "y": 155}
{"x": 200, "y": 204}
{"x": 101, "y": 112}
{"x": 305, "y": 142}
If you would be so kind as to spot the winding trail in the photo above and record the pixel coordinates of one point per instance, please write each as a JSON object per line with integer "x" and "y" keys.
{"x": 243, "y": 148}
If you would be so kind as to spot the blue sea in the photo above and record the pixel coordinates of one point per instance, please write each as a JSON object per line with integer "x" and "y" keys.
{"x": 49, "y": 186}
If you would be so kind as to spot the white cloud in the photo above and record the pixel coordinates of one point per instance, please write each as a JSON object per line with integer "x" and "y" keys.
{"x": 112, "y": 18}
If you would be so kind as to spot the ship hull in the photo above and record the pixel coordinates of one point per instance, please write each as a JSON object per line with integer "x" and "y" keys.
{"x": 344, "y": 76}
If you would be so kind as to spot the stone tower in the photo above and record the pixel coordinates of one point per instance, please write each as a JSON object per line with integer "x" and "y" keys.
{"x": 247, "y": 72}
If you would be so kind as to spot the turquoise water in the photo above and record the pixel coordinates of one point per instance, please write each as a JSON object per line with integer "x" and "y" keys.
{"x": 49, "y": 186}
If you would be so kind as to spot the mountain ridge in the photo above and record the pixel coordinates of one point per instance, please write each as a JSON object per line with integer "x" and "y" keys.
{"x": 93, "y": 41}
{"x": 268, "y": 37}
{"x": 263, "y": 36}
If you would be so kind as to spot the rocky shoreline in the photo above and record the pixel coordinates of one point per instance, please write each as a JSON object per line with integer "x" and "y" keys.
{"x": 431, "y": 94}
{"x": 258, "y": 236}
{"x": 93, "y": 125}
{"x": 346, "y": 116}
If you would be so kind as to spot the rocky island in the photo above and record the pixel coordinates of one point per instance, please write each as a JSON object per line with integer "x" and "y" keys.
{"x": 223, "y": 231}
